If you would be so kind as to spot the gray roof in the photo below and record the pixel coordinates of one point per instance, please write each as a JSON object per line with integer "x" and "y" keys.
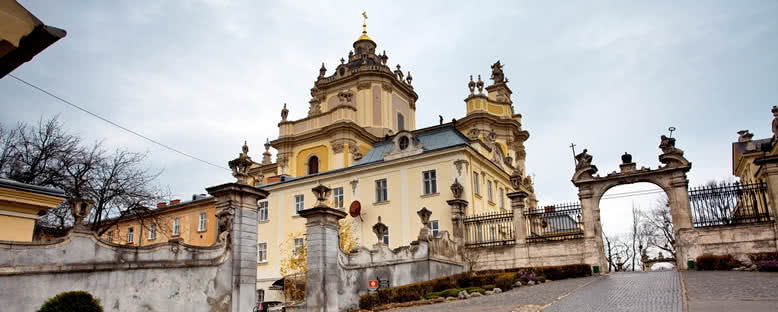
{"x": 32, "y": 188}
{"x": 434, "y": 138}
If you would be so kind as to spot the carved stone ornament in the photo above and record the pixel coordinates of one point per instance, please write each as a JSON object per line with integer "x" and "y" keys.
{"x": 583, "y": 160}
{"x": 480, "y": 85}
{"x": 387, "y": 87}
{"x": 492, "y": 136}
{"x": 775, "y": 121}
{"x": 80, "y": 209}
{"x": 338, "y": 147}
{"x": 356, "y": 154}
{"x": 516, "y": 178}
{"x": 671, "y": 156}
{"x": 409, "y": 79}
{"x": 398, "y": 73}
{"x": 457, "y": 190}
{"x": 345, "y": 97}
{"x": 240, "y": 167}
{"x": 471, "y": 85}
{"x": 424, "y": 215}
{"x": 404, "y": 144}
{"x": 379, "y": 229}
{"x": 284, "y": 113}
{"x": 362, "y": 85}
{"x": 473, "y": 133}
{"x": 224, "y": 218}
{"x": 497, "y": 74}
{"x": 322, "y": 193}
{"x": 315, "y": 108}
{"x": 460, "y": 163}
{"x": 354, "y": 184}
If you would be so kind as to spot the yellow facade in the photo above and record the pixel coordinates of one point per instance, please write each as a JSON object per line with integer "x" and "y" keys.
{"x": 357, "y": 116}
{"x": 20, "y": 207}
{"x": 188, "y": 214}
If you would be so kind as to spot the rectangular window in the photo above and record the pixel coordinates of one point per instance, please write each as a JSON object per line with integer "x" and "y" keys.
{"x": 201, "y": 226}
{"x": 130, "y": 235}
{"x": 261, "y": 252}
{"x": 298, "y": 245}
{"x": 262, "y": 210}
{"x": 110, "y": 236}
{"x": 434, "y": 227}
{"x": 381, "y": 194}
{"x": 430, "y": 182}
{"x": 386, "y": 237}
{"x": 400, "y": 122}
{"x": 152, "y": 231}
{"x": 489, "y": 190}
{"x": 476, "y": 187}
{"x": 338, "y": 194}
{"x": 177, "y": 226}
{"x": 299, "y": 204}
{"x": 502, "y": 198}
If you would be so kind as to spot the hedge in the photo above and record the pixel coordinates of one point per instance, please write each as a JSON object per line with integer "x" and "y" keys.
{"x": 449, "y": 286}
{"x": 69, "y": 301}
{"x": 708, "y": 262}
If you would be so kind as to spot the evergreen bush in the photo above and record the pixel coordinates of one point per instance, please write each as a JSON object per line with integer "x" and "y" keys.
{"x": 72, "y": 301}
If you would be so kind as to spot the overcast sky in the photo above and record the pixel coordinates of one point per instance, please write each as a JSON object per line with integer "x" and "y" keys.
{"x": 202, "y": 76}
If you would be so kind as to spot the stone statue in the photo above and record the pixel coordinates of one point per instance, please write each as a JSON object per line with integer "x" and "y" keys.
{"x": 399, "y": 73}
{"x": 322, "y": 71}
{"x": 497, "y": 74}
{"x": 240, "y": 166}
{"x": 379, "y": 229}
{"x": 668, "y": 145}
{"x": 457, "y": 189}
{"x": 284, "y": 113}
{"x": 471, "y": 85}
{"x": 775, "y": 121}
{"x": 409, "y": 79}
{"x": 583, "y": 160}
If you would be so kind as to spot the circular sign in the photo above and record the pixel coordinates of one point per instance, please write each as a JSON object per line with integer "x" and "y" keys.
{"x": 355, "y": 209}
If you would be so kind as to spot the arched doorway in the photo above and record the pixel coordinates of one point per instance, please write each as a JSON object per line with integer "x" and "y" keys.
{"x": 591, "y": 187}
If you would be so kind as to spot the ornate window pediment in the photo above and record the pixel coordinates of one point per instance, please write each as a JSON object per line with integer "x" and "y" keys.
{"x": 404, "y": 144}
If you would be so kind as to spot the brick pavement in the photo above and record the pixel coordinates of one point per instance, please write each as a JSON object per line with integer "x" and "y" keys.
{"x": 511, "y": 300}
{"x": 636, "y": 291}
{"x": 730, "y": 291}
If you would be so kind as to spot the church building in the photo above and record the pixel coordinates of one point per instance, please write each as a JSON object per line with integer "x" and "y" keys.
{"x": 360, "y": 139}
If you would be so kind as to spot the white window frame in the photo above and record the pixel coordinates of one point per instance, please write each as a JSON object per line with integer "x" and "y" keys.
{"x": 430, "y": 182}
{"x": 434, "y": 227}
{"x": 152, "y": 231}
{"x": 202, "y": 222}
{"x": 263, "y": 213}
{"x": 489, "y": 192}
{"x": 476, "y": 185}
{"x": 299, "y": 204}
{"x": 130, "y": 235}
{"x": 176, "y": 226}
{"x": 299, "y": 244}
{"x": 262, "y": 252}
{"x": 381, "y": 190}
{"x": 339, "y": 197}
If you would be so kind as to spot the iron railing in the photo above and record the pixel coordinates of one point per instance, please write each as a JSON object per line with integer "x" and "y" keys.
{"x": 729, "y": 204}
{"x": 489, "y": 229}
{"x": 554, "y": 223}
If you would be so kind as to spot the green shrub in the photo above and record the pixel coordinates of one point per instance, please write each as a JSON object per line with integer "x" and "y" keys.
{"x": 763, "y": 256}
{"x": 489, "y": 287}
{"x": 453, "y": 292}
{"x": 432, "y": 295}
{"x": 68, "y": 301}
{"x": 368, "y": 302}
{"x": 505, "y": 281}
{"x": 542, "y": 279}
{"x": 711, "y": 262}
{"x": 475, "y": 290}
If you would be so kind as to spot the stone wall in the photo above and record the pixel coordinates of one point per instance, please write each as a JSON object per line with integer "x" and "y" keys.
{"x": 163, "y": 277}
{"x": 738, "y": 241}
{"x": 533, "y": 255}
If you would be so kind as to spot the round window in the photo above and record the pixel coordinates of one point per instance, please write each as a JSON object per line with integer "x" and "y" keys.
{"x": 404, "y": 142}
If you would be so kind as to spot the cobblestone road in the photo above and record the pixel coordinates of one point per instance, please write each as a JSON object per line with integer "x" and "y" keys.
{"x": 731, "y": 291}
{"x": 510, "y": 300}
{"x": 650, "y": 291}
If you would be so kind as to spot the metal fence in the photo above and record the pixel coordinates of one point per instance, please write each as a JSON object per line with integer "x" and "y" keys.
{"x": 729, "y": 204}
{"x": 554, "y": 223}
{"x": 489, "y": 229}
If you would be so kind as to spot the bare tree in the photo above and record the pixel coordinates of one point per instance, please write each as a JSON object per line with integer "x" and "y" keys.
{"x": 656, "y": 226}
{"x": 119, "y": 183}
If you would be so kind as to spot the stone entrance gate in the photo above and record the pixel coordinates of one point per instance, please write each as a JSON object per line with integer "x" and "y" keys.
{"x": 671, "y": 177}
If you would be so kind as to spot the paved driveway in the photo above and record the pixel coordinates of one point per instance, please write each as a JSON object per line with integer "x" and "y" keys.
{"x": 637, "y": 291}
{"x": 729, "y": 291}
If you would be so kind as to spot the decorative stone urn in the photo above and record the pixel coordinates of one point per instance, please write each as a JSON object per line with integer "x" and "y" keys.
{"x": 322, "y": 193}
{"x": 379, "y": 229}
{"x": 424, "y": 215}
{"x": 626, "y": 158}
{"x": 457, "y": 190}
{"x": 80, "y": 209}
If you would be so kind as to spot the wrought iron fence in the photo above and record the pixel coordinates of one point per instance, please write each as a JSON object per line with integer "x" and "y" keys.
{"x": 489, "y": 229}
{"x": 554, "y": 223}
{"x": 729, "y": 204}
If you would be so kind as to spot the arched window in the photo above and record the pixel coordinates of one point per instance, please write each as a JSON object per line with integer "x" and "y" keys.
{"x": 313, "y": 165}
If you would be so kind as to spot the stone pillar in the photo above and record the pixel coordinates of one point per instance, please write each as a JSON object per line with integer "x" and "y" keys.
{"x": 236, "y": 211}
{"x": 680, "y": 208}
{"x": 519, "y": 222}
{"x": 457, "y": 219}
{"x": 593, "y": 244}
{"x": 323, "y": 278}
{"x": 769, "y": 169}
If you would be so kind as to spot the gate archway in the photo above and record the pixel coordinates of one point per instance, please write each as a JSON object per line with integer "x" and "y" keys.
{"x": 670, "y": 177}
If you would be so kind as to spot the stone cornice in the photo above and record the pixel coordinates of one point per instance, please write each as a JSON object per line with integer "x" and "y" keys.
{"x": 476, "y": 117}
{"x": 366, "y": 70}
{"x": 326, "y": 132}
